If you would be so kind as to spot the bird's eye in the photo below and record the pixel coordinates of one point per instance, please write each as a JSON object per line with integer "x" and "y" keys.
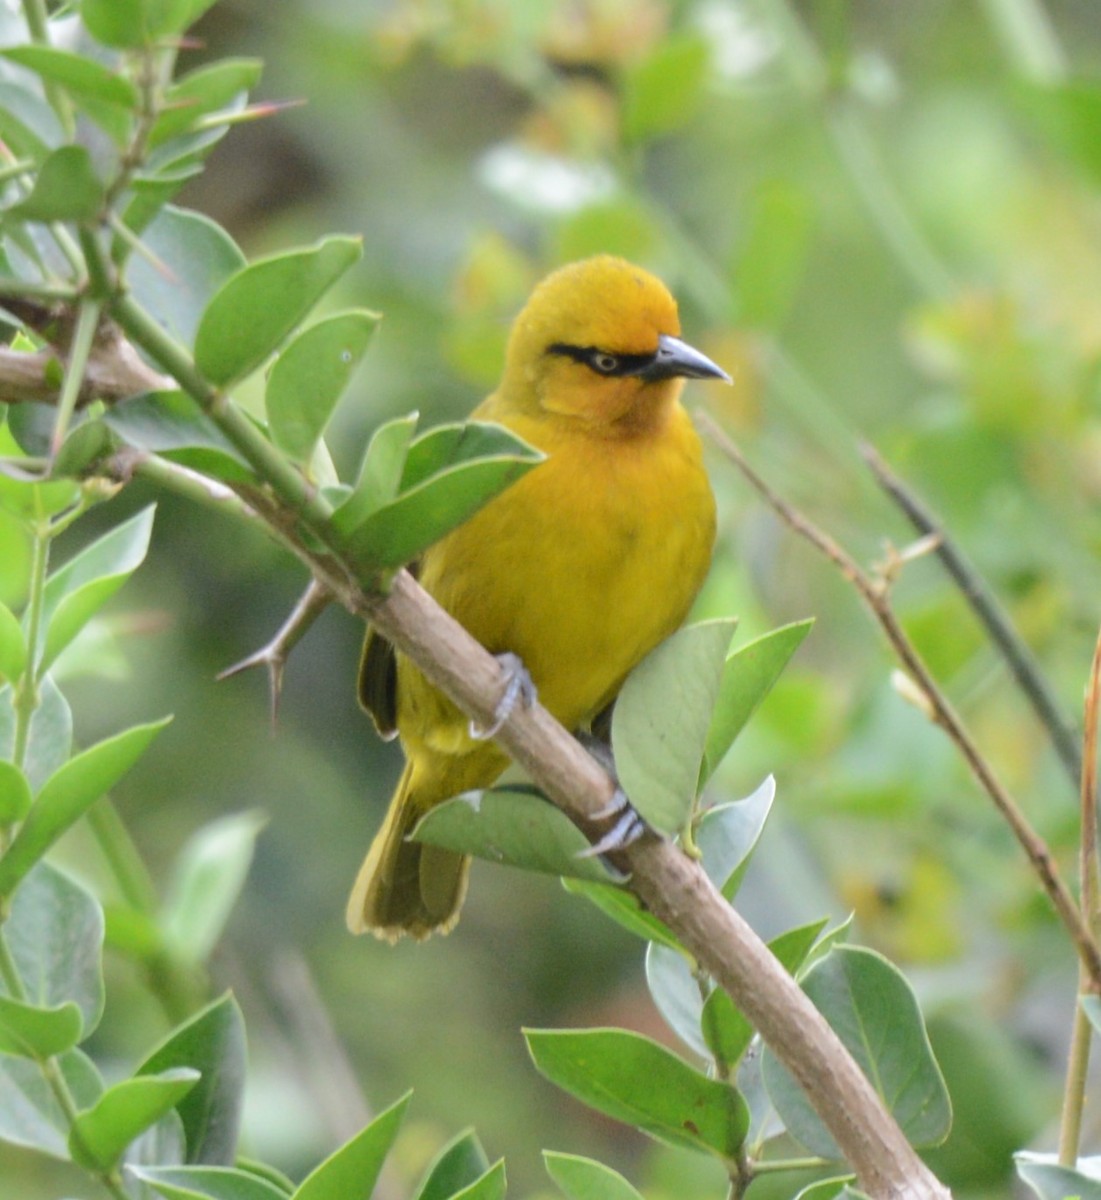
{"x": 606, "y": 364}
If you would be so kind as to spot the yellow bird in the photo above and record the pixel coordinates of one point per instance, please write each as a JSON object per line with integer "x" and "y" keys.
{"x": 579, "y": 569}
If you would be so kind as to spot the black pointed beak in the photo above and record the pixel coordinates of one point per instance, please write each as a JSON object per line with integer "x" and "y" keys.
{"x": 676, "y": 358}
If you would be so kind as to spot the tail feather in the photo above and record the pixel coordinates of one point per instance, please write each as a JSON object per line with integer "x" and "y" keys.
{"x": 405, "y": 887}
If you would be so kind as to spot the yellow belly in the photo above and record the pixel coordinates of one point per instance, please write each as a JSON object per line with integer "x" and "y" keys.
{"x": 581, "y": 568}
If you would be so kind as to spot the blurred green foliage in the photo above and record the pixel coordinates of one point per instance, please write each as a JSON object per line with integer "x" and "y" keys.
{"x": 883, "y": 221}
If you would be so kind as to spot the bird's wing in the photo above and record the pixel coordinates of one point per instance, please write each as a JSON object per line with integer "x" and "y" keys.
{"x": 378, "y": 683}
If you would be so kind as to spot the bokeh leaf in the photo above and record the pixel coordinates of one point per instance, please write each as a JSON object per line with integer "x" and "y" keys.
{"x": 309, "y": 377}
{"x": 207, "y": 1183}
{"x": 871, "y": 1007}
{"x": 634, "y": 1080}
{"x": 1050, "y": 1180}
{"x": 513, "y": 827}
{"x": 30, "y": 1114}
{"x": 255, "y": 310}
{"x": 200, "y": 92}
{"x": 458, "y": 1164}
{"x": 728, "y": 834}
{"x": 15, "y": 793}
{"x": 66, "y": 188}
{"x": 38, "y": 1033}
{"x": 490, "y": 1186}
{"x": 79, "y": 75}
{"x": 209, "y": 874}
{"x": 13, "y": 646}
{"x": 213, "y": 1042}
{"x": 658, "y": 741}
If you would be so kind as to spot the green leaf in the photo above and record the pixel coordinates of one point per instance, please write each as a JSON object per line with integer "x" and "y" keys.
{"x": 661, "y": 720}
{"x": 65, "y": 189}
{"x": 86, "y": 443}
{"x": 172, "y": 425}
{"x": 78, "y": 590}
{"x": 676, "y": 993}
{"x": 38, "y": 1033}
{"x": 209, "y": 874}
{"x": 29, "y": 1111}
{"x": 254, "y": 311}
{"x": 871, "y": 1007}
{"x": 200, "y": 92}
{"x": 189, "y": 259}
{"x": 13, "y": 646}
{"x": 461, "y": 1162}
{"x": 664, "y": 90}
{"x": 100, "y": 1134}
{"x": 309, "y": 377}
{"x": 449, "y": 474}
{"x": 513, "y": 827}
{"x": 748, "y": 676}
{"x": 633, "y": 1079}
{"x": 79, "y": 75}
{"x": 51, "y": 732}
{"x": 55, "y": 933}
{"x": 774, "y": 252}
{"x": 625, "y": 909}
{"x": 68, "y": 794}
{"x": 829, "y": 1189}
{"x": 15, "y": 793}
{"x": 583, "y": 1179}
{"x": 354, "y": 1168}
{"x": 128, "y": 24}
{"x": 1067, "y": 115}
{"x": 213, "y": 1042}
{"x": 380, "y": 474}
{"x": 728, "y": 834}
{"x": 206, "y": 1183}
{"x": 726, "y": 1032}
{"x": 1051, "y": 1181}
{"x": 1091, "y": 1006}
{"x": 28, "y": 126}
{"x": 491, "y": 1186}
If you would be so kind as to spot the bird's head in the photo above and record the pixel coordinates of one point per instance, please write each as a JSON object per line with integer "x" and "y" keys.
{"x": 599, "y": 341}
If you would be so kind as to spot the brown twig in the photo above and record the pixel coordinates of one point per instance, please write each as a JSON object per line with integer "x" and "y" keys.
{"x": 990, "y": 614}
{"x": 876, "y": 596}
{"x": 114, "y": 372}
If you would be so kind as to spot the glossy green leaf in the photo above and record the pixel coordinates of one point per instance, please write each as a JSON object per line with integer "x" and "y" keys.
{"x": 400, "y": 531}
{"x": 30, "y": 1114}
{"x": 203, "y": 91}
{"x": 172, "y": 425}
{"x": 38, "y": 1033}
{"x": 1051, "y": 1181}
{"x": 310, "y": 376}
{"x": 748, "y": 676}
{"x": 664, "y": 90}
{"x": 68, "y": 794}
{"x": 78, "y": 590}
{"x": 634, "y": 1080}
{"x": 491, "y": 1186}
{"x": 55, "y": 934}
{"x": 209, "y": 874}
{"x": 461, "y": 1162}
{"x": 625, "y": 909}
{"x": 354, "y": 1168}
{"x": 213, "y": 1042}
{"x": 101, "y": 1133}
{"x": 206, "y": 1183}
{"x": 15, "y": 793}
{"x": 257, "y": 309}
{"x": 872, "y": 1008}
{"x": 65, "y": 189}
{"x": 79, "y": 75}
{"x": 380, "y": 474}
{"x": 188, "y": 259}
{"x": 728, "y": 834}
{"x": 583, "y": 1179}
{"x": 661, "y": 720}
{"x": 444, "y": 446}
{"x": 13, "y": 646}
{"x": 513, "y": 827}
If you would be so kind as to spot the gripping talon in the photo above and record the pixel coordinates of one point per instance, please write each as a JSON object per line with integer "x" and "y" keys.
{"x": 625, "y": 832}
{"x": 519, "y": 687}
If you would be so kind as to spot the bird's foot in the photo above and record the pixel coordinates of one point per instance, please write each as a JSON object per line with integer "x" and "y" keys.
{"x": 519, "y": 688}
{"x": 627, "y": 830}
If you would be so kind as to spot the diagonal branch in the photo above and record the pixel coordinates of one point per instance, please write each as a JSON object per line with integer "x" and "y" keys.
{"x": 875, "y": 594}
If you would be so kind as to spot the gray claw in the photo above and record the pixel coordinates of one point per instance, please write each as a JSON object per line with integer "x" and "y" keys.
{"x": 518, "y": 688}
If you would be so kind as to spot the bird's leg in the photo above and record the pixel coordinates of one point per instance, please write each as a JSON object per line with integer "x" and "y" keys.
{"x": 629, "y": 826}
{"x": 519, "y": 688}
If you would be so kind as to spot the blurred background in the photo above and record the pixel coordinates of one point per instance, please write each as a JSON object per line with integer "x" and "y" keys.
{"x": 885, "y": 221}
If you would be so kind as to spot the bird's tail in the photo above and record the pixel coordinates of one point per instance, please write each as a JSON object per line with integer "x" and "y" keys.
{"x": 405, "y": 887}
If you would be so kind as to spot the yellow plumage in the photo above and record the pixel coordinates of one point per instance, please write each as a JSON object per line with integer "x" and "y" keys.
{"x": 580, "y": 568}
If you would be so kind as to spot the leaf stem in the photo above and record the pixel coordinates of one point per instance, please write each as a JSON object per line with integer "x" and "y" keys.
{"x": 26, "y": 696}
{"x": 121, "y": 854}
{"x": 87, "y": 323}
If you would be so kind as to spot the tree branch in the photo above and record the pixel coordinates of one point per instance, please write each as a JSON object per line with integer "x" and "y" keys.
{"x": 875, "y": 594}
